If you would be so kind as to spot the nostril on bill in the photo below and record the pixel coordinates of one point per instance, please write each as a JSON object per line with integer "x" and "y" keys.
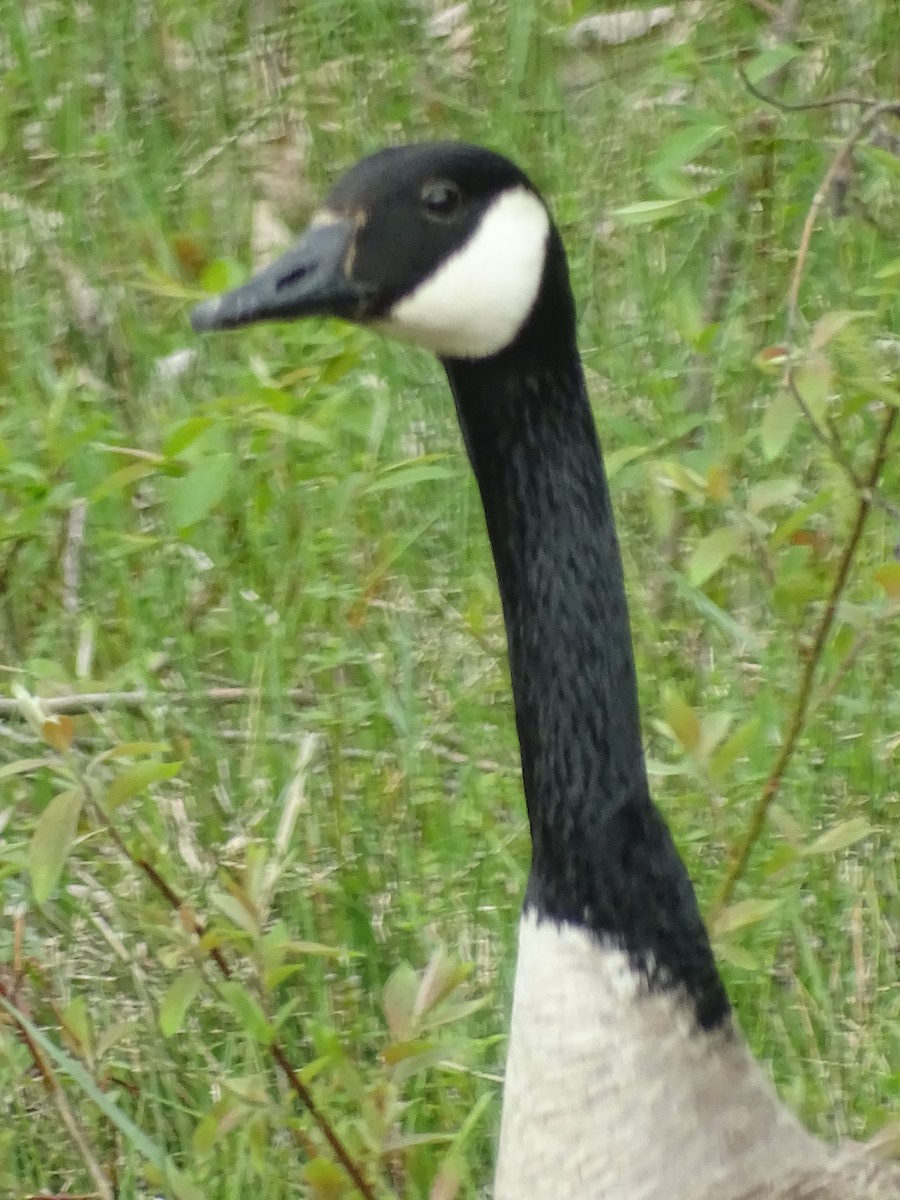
{"x": 293, "y": 277}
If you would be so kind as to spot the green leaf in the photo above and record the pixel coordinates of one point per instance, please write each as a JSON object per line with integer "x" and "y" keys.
{"x": 882, "y": 158}
{"x": 178, "y": 999}
{"x": 813, "y": 381}
{"x": 733, "y": 748}
{"x": 402, "y": 475}
{"x": 840, "y": 837}
{"x": 616, "y": 460}
{"x": 248, "y": 1012}
{"x": 398, "y": 1052}
{"x": 138, "y": 778}
{"x": 117, "y": 481}
{"x": 798, "y": 518}
{"x": 296, "y": 429}
{"x": 448, "y": 1181}
{"x": 239, "y": 909}
{"x": 399, "y": 1000}
{"x": 197, "y": 493}
{"x": 325, "y": 1180}
{"x": 682, "y": 478}
{"x": 742, "y": 914}
{"x": 712, "y": 553}
{"x": 115, "y": 1033}
{"x": 737, "y": 956}
{"x": 440, "y": 979}
{"x": 771, "y": 492}
{"x": 829, "y": 326}
{"x": 183, "y": 435}
{"x": 743, "y": 637}
{"x": 681, "y": 719}
{"x": 769, "y": 61}
{"x": 447, "y": 1014}
{"x": 887, "y": 575}
{"x": 683, "y": 147}
{"x": 650, "y": 212}
{"x": 24, "y": 766}
{"x": 51, "y": 842}
{"x": 889, "y": 393}
{"x": 222, "y": 275}
{"x": 778, "y": 424}
{"x": 74, "y": 1019}
{"x": 714, "y": 728}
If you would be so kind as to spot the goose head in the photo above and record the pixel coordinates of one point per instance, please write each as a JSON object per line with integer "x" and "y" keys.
{"x": 444, "y": 245}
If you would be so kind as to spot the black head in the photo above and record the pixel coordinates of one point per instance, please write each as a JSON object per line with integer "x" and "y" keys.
{"x": 442, "y": 244}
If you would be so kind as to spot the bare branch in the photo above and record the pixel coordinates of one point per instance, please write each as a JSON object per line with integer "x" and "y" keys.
{"x": 104, "y": 1188}
{"x": 836, "y": 166}
{"x": 797, "y": 723}
{"x": 142, "y": 698}
{"x": 892, "y": 107}
{"x": 836, "y": 449}
{"x": 197, "y": 928}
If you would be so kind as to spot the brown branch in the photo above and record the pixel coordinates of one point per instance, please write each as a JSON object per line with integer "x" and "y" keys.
{"x": 892, "y": 107}
{"x": 61, "y": 1102}
{"x": 835, "y": 447}
{"x": 797, "y": 723}
{"x": 836, "y": 166}
{"x": 748, "y": 187}
{"x": 195, "y": 926}
{"x": 141, "y": 698}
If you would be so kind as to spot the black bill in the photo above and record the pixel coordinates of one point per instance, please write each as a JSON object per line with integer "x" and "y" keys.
{"x": 308, "y": 280}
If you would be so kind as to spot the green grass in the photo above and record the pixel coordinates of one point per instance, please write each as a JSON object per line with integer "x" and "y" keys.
{"x": 293, "y": 515}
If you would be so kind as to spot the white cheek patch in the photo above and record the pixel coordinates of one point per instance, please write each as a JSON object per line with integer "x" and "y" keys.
{"x": 476, "y": 301}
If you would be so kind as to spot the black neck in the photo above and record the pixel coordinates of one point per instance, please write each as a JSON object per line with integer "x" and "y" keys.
{"x": 603, "y": 857}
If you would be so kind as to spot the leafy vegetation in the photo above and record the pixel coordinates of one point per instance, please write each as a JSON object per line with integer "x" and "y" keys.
{"x": 279, "y": 848}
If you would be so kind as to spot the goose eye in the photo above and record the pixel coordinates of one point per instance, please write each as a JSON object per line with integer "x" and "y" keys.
{"x": 441, "y": 201}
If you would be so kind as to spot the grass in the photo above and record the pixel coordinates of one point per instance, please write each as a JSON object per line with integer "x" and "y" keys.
{"x": 291, "y": 514}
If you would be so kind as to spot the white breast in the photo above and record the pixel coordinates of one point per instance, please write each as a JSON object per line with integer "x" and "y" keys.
{"x": 612, "y": 1093}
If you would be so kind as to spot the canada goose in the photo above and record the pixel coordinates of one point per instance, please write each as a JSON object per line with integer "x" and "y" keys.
{"x": 627, "y": 1078}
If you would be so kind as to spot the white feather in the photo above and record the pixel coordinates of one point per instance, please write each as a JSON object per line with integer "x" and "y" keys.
{"x": 479, "y": 298}
{"x": 612, "y": 1093}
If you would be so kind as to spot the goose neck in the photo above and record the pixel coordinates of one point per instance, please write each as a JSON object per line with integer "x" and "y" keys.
{"x": 603, "y": 858}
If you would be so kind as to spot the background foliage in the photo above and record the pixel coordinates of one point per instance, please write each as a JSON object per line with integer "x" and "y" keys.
{"x": 264, "y": 559}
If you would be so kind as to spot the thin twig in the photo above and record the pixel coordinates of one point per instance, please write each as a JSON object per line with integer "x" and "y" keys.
{"x": 747, "y": 190}
{"x": 835, "y": 447}
{"x": 196, "y": 927}
{"x": 60, "y": 1100}
{"x": 893, "y": 107}
{"x": 142, "y": 698}
{"x": 836, "y": 166}
{"x": 804, "y": 692}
